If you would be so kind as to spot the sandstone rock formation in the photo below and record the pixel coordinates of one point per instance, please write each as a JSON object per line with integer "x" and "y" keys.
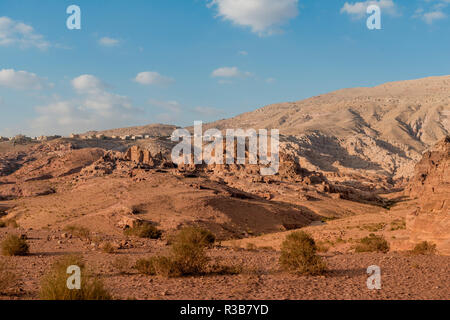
{"x": 431, "y": 186}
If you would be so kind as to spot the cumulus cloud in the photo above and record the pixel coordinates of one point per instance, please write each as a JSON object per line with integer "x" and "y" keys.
{"x": 20, "y": 80}
{"x": 207, "y": 111}
{"x": 430, "y": 17}
{"x": 87, "y": 83}
{"x": 263, "y": 17}
{"x": 359, "y": 9}
{"x": 434, "y": 11}
{"x": 229, "y": 72}
{"x": 152, "y": 78}
{"x": 17, "y": 33}
{"x": 94, "y": 109}
{"x": 108, "y": 42}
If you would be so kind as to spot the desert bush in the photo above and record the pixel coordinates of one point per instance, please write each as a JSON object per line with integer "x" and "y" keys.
{"x": 372, "y": 243}
{"x": 399, "y": 224}
{"x": 298, "y": 255}
{"x": 15, "y": 246}
{"x": 425, "y": 248}
{"x": 195, "y": 235}
{"x": 107, "y": 247}
{"x": 121, "y": 264}
{"x": 10, "y": 223}
{"x": 78, "y": 231}
{"x": 251, "y": 247}
{"x": 7, "y": 277}
{"x": 187, "y": 255}
{"x": 144, "y": 229}
{"x": 158, "y": 265}
{"x": 54, "y": 283}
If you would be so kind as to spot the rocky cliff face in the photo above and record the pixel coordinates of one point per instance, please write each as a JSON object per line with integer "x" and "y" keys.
{"x": 431, "y": 186}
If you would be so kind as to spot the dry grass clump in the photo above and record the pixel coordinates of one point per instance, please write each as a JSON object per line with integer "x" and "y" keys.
{"x": 372, "y": 243}
{"x": 54, "y": 283}
{"x": 144, "y": 229}
{"x": 10, "y": 223}
{"x": 15, "y": 246}
{"x": 78, "y": 231}
{"x": 398, "y": 224}
{"x": 424, "y": 248}
{"x": 195, "y": 235}
{"x": 187, "y": 255}
{"x": 107, "y": 247}
{"x": 298, "y": 255}
{"x": 8, "y": 278}
{"x": 121, "y": 264}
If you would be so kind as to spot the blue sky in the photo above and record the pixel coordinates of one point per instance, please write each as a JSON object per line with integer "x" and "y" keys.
{"x": 176, "y": 61}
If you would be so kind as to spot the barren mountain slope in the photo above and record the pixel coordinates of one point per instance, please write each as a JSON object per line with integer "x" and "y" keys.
{"x": 383, "y": 129}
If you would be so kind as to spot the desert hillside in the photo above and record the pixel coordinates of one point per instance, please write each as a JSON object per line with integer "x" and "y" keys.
{"x": 381, "y": 130}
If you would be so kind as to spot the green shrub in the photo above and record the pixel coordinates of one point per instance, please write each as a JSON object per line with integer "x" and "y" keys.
{"x": 15, "y": 246}
{"x": 54, "y": 284}
{"x": 372, "y": 243}
{"x": 425, "y": 248}
{"x": 298, "y": 255}
{"x": 144, "y": 229}
{"x": 2, "y": 224}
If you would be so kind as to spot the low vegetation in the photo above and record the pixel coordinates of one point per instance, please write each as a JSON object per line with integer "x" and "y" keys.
{"x": 399, "y": 224}
{"x": 78, "y": 231}
{"x": 424, "y": 248}
{"x": 187, "y": 256}
{"x": 299, "y": 255}
{"x": 7, "y": 277}
{"x": 107, "y": 247}
{"x": 121, "y": 264}
{"x": 13, "y": 245}
{"x": 144, "y": 229}
{"x": 54, "y": 283}
{"x": 9, "y": 223}
{"x": 372, "y": 243}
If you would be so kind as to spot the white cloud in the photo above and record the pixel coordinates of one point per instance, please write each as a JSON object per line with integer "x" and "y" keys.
{"x": 20, "y": 80}
{"x": 87, "y": 83}
{"x": 172, "y": 106}
{"x": 17, "y": 33}
{"x": 359, "y": 9}
{"x": 170, "y": 110}
{"x": 263, "y": 16}
{"x": 434, "y": 11}
{"x": 108, "y": 42}
{"x": 270, "y": 80}
{"x": 243, "y": 53}
{"x": 152, "y": 78}
{"x": 430, "y": 17}
{"x": 208, "y": 111}
{"x": 229, "y": 72}
{"x": 94, "y": 109}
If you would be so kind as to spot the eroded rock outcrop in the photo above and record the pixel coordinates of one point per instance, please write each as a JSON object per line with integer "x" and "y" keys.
{"x": 431, "y": 186}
